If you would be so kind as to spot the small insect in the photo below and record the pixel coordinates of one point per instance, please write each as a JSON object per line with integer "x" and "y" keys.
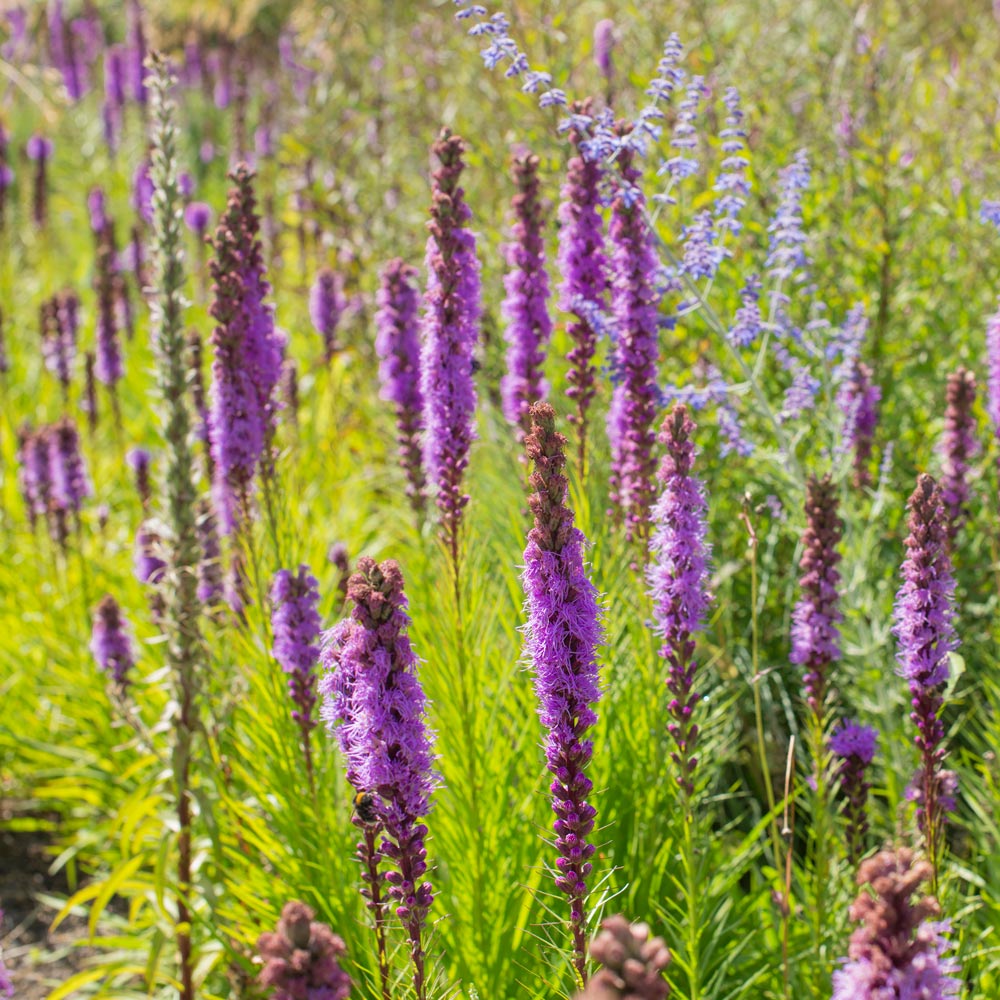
{"x": 365, "y": 808}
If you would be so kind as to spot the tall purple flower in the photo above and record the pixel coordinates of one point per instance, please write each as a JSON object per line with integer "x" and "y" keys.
{"x": 111, "y": 642}
{"x": 854, "y": 745}
{"x": 39, "y": 150}
{"x": 59, "y": 321}
{"x": 89, "y": 402}
{"x": 139, "y": 461}
{"x": 993, "y": 373}
{"x": 295, "y": 623}
{"x": 326, "y": 306}
{"x": 246, "y": 366}
{"x": 561, "y": 639}
{"x": 302, "y": 958}
{"x": 678, "y": 582}
{"x": 112, "y": 111}
{"x": 397, "y": 343}
{"x": 584, "y": 269}
{"x": 815, "y": 632}
{"x": 634, "y": 301}
{"x": 529, "y": 326}
{"x": 35, "y": 471}
{"x": 70, "y": 483}
{"x": 732, "y": 187}
{"x": 108, "y": 366}
{"x": 959, "y": 445}
{"x": 858, "y": 398}
{"x": 374, "y": 695}
{"x": 450, "y": 331}
{"x": 136, "y": 53}
{"x": 925, "y": 637}
{"x": 604, "y": 43}
{"x": 899, "y": 949}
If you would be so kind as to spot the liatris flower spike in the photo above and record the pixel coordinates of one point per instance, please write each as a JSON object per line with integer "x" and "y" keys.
{"x": 925, "y": 636}
{"x": 899, "y": 949}
{"x": 815, "y": 632}
{"x": 397, "y": 343}
{"x": 678, "y": 580}
{"x": 39, "y": 150}
{"x": 632, "y": 963}
{"x": 959, "y": 445}
{"x": 326, "y": 306}
{"x": 855, "y": 745}
{"x": 302, "y": 958}
{"x": 858, "y": 399}
{"x": 111, "y": 643}
{"x": 561, "y": 639}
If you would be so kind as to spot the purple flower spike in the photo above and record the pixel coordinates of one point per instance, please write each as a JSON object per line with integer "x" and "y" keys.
{"x": 295, "y": 623}
{"x": 855, "y": 745}
{"x": 632, "y": 963}
{"x": 634, "y": 302}
{"x": 142, "y": 192}
{"x": 993, "y": 373}
{"x": 39, "y": 150}
{"x": 678, "y": 582}
{"x": 858, "y": 399}
{"x": 397, "y": 343}
{"x": 114, "y": 95}
{"x": 139, "y": 461}
{"x": 525, "y": 307}
{"x": 70, "y": 483}
{"x": 561, "y": 640}
{"x": 60, "y": 322}
{"x": 925, "y": 637}
{"x": 302, "y": 958}
{"x": 815, "y": 633}
{"x": 326, "y": 306}
{"x": 111, "y": 642}
{"x": 604, "y": 43}
{"x": 898, "y": 952}
{"x": 197, "y": 217}
{"x": 136, "y": 53}
{"x": 584, "y": 269}
{"x": 246, "y": 366}
{"x": 108, "y": 365}
{"x": 959, "y": 445}
{"x": 376, "y": 705}
{"x": 450, "y": 332}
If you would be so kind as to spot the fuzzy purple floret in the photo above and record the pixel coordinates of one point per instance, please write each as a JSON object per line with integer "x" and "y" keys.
{"x": 197, "y": 216}
{"x": 295, "y": 623}
{"x": 562, "y": 636}
{"x": 247, "y": 359}
{"x": 111, "y": 643}
{"x": 397, "y": 344}
{"x": 959, "y": 445}
{"x": 529, "y": 326}
{"x": 815, "y": 630}
{"x": 326, "y": 306}
{"x": 634, "y": 302}
{"x": 678, "y": 581}
{"x": 450, "y": 332}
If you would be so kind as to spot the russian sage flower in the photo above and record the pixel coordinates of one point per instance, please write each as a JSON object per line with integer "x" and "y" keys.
{"x": 584, "y": 270}
{"x": 634, "y": 302}
{"x": 854, "y": 746}
{"x": 450, "y": 332}
{"x": 899, "y": 951}
{"x": 562, "y": 635}
{"x": 326, "y": 306}
{"x": 677, "y": 576}
{"x": 732, "y": 187}
{"x": 295, "y": 623}
{"x": 246, "y": 363}
{"x": 302, "y": 958}
{"x": 959, "y": 445}
{"x": 111, "y": 642}
{"x": 525, "y": 306}
{"x": 397, "y": 344}
{"x": 815, "y": 630}
{"x": 748, "y": 322}
{"x": 925, "y": 636}
{"x": 631, "y": 963}
{"x": 375, "y": 705}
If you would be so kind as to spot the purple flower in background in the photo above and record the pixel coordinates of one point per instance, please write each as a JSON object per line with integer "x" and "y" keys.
{"x": 525, "y": 306}
{"x": 97, "y": 207}
{"x": 858, "y": 398}
{"x": 561, "y": 639}
{"x": 142, "y": 192}
{"x": 109, "y": 366}
{"x": 39, "y": 151}
{"x": 450, "y": 332}
{"x": 6, "y": 174}
{"x": 89, "y": 402}
{"x": 397, "y": 343}
{"x": 139, "y": 461}
{"x": 326, "y": 306}
{"x": 855, "y": 745}
{"x": 815, "y": 631}
{"x": 111, "y": 642}
{"x": 733, "y": 187}
{"x": 197, "y": 216}
{"x": 148, "y": 552}
{"x": 959, "y": 445}
{"x": 376, "y": 706}
{"x": 295, "y": 623}
{"x": 677, "y": 576}
{"x": 246, "y": 365}
{"x": 135, "y": 53}
{"x": 748, "y": 322}
{"x": 185, "y": 184}
{"x": 925, "y": 636}
{"x": 631, "y": 963}
{"x": 634, "y": 301}
{"x": 302, "y": 958}
{"x": 989, "y": 212}
{"x": 59, "y": 318}
{"x": 685, "y": 135}
{"x": 207, "y": 151}
{"x": 35, "y": 471}
{"x": 702, "y": 254}
{"x": 899, "y": 949}
{"x": 584, "y": 269}
{"x": 70, "y": 483}
{"x": 786, "y": 257}
{"x": 604, "y": 43}
{"x": 112, "y": 110}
